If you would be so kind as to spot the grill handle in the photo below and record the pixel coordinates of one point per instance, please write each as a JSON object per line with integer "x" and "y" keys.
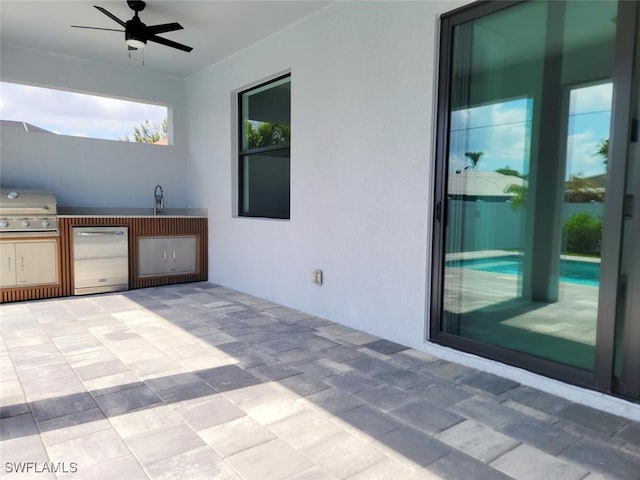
{"x": 32, "y": 207}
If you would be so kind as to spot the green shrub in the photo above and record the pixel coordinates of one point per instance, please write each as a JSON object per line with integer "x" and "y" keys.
{"x": 582, "y": 234}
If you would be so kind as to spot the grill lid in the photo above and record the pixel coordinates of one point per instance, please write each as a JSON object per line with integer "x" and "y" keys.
{"x": 27, "y": 212}
{"x": 17, "y": 202}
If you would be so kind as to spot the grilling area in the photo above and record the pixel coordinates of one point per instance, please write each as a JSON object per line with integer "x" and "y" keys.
{"x": 29, "y": 238}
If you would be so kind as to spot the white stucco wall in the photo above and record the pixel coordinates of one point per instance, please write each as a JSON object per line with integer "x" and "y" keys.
{"x": 361, "y": 166}
{"x": 91, "y": 172}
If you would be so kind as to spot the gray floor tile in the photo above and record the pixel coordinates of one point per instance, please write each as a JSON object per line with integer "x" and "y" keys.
{"x": 209, "y": 412}
{"x": 163, "y": 443}
{"x": 537, "y": 399}
{"x": 596, "y": 420}
{"x": 60, "y": 406}
{"x": 477, "y": 440}
{"x": 352, "y": 382}
{"x": 603, "y": 458}
{"x": 71, "y": 426}
{"x": 457, "y": 466}
{"x": 402, "y": 378}
{"x": 199, "y": 464}
{"x": 486, "y": 410}
{"x": 123, "y": 401}
{"x": 305, "y": 428}
{"x": 370, "y": 420}
{"x": 528, "y": 463}
{"x": 227, "y": 377}
{"x": 17, "y": 427}
{"x": 415, "y": 445}
{"x": 273, "y": 460}
{"x": 447, "y": 370}
{"x": 488, "y": 382}
{"x": 267, "y": 373}
{"x": 304, "y": 384}
{"x": 631, "y": 434}
{"x": 385, "y": 397}
{"x": 343, "y": 455}
{"x": 424, "y": 416}
{"x": 235, "y": 436}
{"x": 90, "y": 449}
{"x": 370, "y": 365}
{"x": 334, "y": 401}
{"x": 385, "y": 347}
{"x": 190, "y": 391}
{"x": 542, "y": 435}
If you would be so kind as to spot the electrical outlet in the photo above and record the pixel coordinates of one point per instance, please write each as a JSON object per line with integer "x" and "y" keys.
{"x": 316, "y": 277}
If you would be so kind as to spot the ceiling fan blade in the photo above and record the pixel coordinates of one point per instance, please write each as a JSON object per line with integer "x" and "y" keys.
{"x": 111, "y": 16}
{"x": 165, "y": 27}
{"x": 97, "y": 28}
{"x": 169, "y": 43}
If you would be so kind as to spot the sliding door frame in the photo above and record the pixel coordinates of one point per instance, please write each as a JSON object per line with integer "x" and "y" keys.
{"x": 601, "y": 378}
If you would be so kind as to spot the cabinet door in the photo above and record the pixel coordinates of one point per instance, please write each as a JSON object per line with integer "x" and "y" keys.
{"x": 182, "y": 255}
{"x": 153, "y": 258}
{"x": 7, "y": 264}
{"x": 167, "y": 255}
{"x": 36, "y": 263}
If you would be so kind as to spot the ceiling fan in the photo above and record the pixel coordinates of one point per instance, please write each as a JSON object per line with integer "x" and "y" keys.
{"x": 136, "y": 33}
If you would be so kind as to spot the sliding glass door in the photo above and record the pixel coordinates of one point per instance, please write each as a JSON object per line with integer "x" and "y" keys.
{"x": 532, "y": 214}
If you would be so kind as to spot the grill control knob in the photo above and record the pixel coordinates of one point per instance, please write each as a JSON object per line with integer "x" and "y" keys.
{"x": 4, "y": 223}
{"x": 25, "y": 223}
{"x": 45, "y": 223}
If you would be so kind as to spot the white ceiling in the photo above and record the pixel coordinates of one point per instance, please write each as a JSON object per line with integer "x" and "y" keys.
{"x": 215, "y": 29}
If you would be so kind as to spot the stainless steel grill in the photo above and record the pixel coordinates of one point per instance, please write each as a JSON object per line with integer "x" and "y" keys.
{"x": 27, "y": 213}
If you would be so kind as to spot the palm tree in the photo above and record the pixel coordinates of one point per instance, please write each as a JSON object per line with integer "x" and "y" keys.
{"x": 474, "y": 157}
{"x": 519, "y": 197}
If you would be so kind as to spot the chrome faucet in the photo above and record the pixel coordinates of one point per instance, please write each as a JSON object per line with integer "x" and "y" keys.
{"x": 159, "y": 206}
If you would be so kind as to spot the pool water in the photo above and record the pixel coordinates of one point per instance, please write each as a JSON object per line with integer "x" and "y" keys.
{"x": 571, "y": 271}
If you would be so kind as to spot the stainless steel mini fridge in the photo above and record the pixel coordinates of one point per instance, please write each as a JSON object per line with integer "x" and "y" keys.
{"x": 100, "y": 259}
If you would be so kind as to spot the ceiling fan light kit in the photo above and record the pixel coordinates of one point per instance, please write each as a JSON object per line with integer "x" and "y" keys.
{"x": 136, "y": 33}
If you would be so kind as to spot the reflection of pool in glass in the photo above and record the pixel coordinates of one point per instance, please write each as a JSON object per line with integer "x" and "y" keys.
{"x": 571, "y": 271}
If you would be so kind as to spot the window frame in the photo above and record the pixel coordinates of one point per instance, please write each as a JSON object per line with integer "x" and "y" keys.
{"x": 243, "y": 153}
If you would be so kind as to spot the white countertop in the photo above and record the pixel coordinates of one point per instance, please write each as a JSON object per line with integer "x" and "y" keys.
{"x": 129, "y": 212}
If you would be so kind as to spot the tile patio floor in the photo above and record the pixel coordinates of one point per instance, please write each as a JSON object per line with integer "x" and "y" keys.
{"x": 198, "y": 381}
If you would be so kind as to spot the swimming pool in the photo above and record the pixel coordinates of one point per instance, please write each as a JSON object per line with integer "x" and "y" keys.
{"x": 571, "y": 271}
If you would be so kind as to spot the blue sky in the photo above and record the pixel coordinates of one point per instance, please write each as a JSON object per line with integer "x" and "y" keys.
{"x": 502, "y": 132}
{"x": 69, "y": 113}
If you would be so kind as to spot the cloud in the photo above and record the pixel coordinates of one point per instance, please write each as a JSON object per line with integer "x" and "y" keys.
{"x": 502, "y": 132}
{"x": 499, "y": 130}
{"x": 595, "y": 98}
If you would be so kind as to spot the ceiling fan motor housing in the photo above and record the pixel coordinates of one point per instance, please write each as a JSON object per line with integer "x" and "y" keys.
{"x": 135, "y": 30}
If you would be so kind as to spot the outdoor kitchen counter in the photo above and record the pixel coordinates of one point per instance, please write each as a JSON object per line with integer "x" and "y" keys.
{"x": 93, "y": 212}
{"x": 163, "y": 249}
